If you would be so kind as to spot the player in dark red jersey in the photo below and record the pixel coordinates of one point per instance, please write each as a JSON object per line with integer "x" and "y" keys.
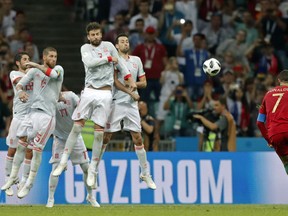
{"x": 273, "y": 118}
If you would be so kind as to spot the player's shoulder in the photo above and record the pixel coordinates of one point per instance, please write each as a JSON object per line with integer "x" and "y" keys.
{"x": 134, "y": 58}
{"x": 106, "y": 43}
{"x": 16, "y": 73}
{"x": 86, "y": 47}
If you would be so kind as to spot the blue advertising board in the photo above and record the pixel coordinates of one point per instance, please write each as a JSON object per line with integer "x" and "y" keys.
{"x": 181, "y": 178}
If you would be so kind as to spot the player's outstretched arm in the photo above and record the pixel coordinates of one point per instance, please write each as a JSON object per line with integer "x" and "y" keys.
{"x": 54, "y": 74}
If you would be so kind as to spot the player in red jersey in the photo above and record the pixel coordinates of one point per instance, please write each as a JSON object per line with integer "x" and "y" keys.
{"x": 273, "y": 118}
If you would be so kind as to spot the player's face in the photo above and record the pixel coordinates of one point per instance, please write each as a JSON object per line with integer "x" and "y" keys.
{"x": 123, "y": 45}
{"x": 95, "y": 37}
{"x": 22, "y": 64}
{"x": 50, "y": 59}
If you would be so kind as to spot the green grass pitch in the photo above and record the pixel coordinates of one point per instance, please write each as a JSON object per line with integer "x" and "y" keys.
{"x": 145, "y": 210}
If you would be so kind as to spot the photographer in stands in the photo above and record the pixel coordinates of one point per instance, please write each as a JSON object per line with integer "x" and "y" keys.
{"x": 225, "y": 125}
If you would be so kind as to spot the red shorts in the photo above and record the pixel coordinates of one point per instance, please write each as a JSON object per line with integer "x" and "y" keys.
{"x": 280, "y": 143}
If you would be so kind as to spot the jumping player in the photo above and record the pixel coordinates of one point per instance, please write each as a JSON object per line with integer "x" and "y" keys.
{"x": 125, "y": 107}
{"x": 20, "y": 109}
{"x": 39, "y": 124}
{"x": 64, "y": 124}
{"x": 99, "y": 58}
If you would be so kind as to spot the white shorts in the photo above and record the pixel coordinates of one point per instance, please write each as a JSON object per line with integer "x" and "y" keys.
{"x": 128, "y": 113}
{"x": 12, "y": 139}
{"x": 38, "y": 127}
{"x": 78, "y": 155}
{"x": 95, "y": 105}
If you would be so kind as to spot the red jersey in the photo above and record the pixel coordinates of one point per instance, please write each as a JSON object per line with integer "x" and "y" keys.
{"x": 275, "y": 108}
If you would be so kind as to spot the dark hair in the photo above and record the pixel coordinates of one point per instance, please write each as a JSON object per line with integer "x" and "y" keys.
{"x": 120, "y": 35}
{"x": 139, "y": 20}
{"x": 223, "y": 100}
{"x": 202, "y": 36}
{"x": 19, "y": 55}
{"x": 283, "y": 76}
{"x": 188, "y": 22}
{"x": 47, "y": 50}
{"x": 92, "y": 26}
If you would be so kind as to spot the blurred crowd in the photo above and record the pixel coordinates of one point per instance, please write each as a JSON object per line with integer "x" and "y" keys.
{"x": 14, "y": 37}
{"x": 173, "y": 38}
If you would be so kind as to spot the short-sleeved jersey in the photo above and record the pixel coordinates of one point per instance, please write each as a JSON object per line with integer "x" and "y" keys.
{"x": 20, "y": 109}
{"x": 275, "y": 107}
{"x": 135, "y": 67}
{"x": 46, "y": 90}
{"x": 64, "y": 122}
{"x": 98, "y": 70}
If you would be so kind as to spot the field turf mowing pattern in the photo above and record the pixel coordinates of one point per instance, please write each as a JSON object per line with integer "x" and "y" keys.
{"x": 145, "y": 210}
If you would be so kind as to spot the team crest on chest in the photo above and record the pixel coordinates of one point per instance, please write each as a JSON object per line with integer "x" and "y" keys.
{"x": 134, "y": 65}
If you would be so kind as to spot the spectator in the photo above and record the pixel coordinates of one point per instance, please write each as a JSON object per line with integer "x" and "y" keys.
{"x": 154, "y": 58}
{"x": 190, "y": 12}
{"x": 179, "y": 105}
{"x": 144, "y": 14}
{"x": 215, "y": 33}
{"x": 147, "y": 124}
{"x": 29, "y": 47}
{"x": 184, "y": 38}
{"x": 5, "y": 119}
{"x": 119, "y": 27}
{"x": 273, "y": 29}
{"x": 237, "y": 43}
{"x": 138, "y": 35}
{"x": 8, "y": 16}
{"x": 225, "y": 125}
{"x": 244, "y": 20}
{"x": 170, "y": 78}
{"x": 170, "y": 21}
{"x": 194, "y": 75}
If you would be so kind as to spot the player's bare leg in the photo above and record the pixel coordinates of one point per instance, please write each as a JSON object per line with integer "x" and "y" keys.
{"x": 69, "y": 145}
{"x": 142, "y": 157}
{"x": 96, "y": 152}
{"x": 17, "y": 161}
{"x": 90, "y": 197}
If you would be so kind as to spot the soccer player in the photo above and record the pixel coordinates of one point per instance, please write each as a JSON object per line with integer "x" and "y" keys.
{"x": 125, "y": 107}
{"x": 39, "y": 124}
{"x": 19, "y": 111}
{"x": 64, "y": 124}
{"x": 99, "y": 58}
{"x": 273, "y": 118}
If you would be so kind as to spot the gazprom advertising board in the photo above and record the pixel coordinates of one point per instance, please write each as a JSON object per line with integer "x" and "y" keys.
{"x": 181, "y": 178}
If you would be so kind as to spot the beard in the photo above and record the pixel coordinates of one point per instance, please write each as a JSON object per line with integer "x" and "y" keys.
{"x": 96, "y": 42}
{"x": 50, "y": 65}
{"x": 125, "y": 50}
